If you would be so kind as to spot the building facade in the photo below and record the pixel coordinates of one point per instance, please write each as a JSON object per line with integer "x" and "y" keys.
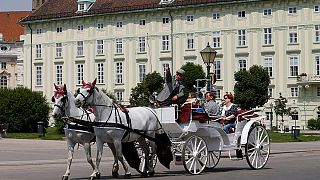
{"x": 119, "y": 42}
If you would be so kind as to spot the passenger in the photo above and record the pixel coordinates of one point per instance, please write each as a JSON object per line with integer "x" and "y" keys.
{"x": 172, "y": 92}
{"x": 229, "y": 112}
{"x": 210, "y": 106}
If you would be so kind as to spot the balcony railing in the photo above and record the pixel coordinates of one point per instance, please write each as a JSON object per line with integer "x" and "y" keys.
{"x": 308, "y": 78}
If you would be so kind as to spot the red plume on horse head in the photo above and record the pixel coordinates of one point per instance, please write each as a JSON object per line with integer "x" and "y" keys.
{"x": 84, "y": 84}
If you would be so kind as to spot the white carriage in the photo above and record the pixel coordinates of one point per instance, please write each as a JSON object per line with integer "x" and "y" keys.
{"x": 200, "y": 144}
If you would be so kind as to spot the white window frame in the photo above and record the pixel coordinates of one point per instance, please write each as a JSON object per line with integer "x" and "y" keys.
{"x": 242, "y": 64}
{"x": 81, "y": 7}
{"x": 165, "y": 66}
{"x": 142, "y": 22}
{"x": 80, "y": 27}
{"x": 39, "y": 31}
{"x": 242, "y": 14}
{"x": 100, "y": 73}
{"x": 59, "y": 29}
{"x": 242, "y": 37}
{"x": 80, "y": 45}
{"x": 292, "y": 10}
{"x": 58, "y": 50}
{"x": 318, "y": 91}
{"x": 80, "y": 73}
{"x": 100, "y": 47}
{"x": 189, "y": 18}
{"x": 317, "y": 33}
{"x": 267, "y": 12}
{"x": 216, "y": 39}
{"x": 293, "y": 66}
{"x": 141, "y": 72}
{"x": 218, "y": 93}
{"x": 267, "y": 36}
{"x": 119, "y": 46}
{"x": 215, "y": 16}
{"x": 142, "y": 44}
{"x": 3, "y": 65}
{"x": 217, "y": 69}
{"x": 119, "y": 72}
{"x": 317, "y": 64}
{"x": 100, "y": 25}
{"x": 3, "y": 82}
{"x": 38, "y": 51}
{"x": 165, "y": 43}
{"x": 270, "y": 92}
{"x": 293, "y": 34}
{"x": 59, "y": 73}
{"x": 38, "y": 75}
{"x": 294, "y": 91}
{"x": 119, "y": 96}
{"x": 268, "y": 65}
{"x": 165, "y": 20}
{"x": 316, "y": 8}
{"x": 190, "y": 41}
{"x": 119, "y": 24}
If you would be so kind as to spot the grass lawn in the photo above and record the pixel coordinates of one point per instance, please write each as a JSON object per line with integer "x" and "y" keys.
{"x": 51, "y": 134}
{"x": 288, "y": 137}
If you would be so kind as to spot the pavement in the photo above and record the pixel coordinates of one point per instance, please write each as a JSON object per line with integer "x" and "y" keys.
{"x": 14, "y": 152}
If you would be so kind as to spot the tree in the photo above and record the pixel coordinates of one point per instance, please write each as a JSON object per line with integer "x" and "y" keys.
{"x": 280, "y": 107}
{"x": 192, "y": 72}
{"x": 251, "y": 88}
{"x": 141, "y": 93}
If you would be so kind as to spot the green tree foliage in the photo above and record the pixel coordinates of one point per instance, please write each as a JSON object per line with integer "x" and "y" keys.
{"x": 251, "y": 88}
{"x": 314, "y": 124}
{"x": 280, "y": 107}
{"x": 192, "y": 72}
{"x": 22, "y": 108}
{"x": 141, "y": 93}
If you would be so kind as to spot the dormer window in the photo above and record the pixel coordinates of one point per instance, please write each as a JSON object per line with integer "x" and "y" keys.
{"x": 81, "y": 7}
{"x": 85, "y": 5}
{"x": 166, "y": 1}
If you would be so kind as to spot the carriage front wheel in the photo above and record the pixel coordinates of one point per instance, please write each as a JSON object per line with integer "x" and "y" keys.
{"x": 257, "y": 149}
{"x": 195, "y": 155}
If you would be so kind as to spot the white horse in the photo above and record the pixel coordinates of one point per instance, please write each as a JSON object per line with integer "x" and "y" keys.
{"x": 114, "y": 126}
{"x": 77, "y": 129}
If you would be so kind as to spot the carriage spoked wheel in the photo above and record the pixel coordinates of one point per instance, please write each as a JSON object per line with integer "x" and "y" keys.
{"x": 142, "y": 157}
{"x": 195, "y": 155}
{"x": 257, "y": 149}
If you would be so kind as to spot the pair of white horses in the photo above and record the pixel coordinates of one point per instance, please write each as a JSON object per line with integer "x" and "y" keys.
{"x": 111, "y": 126}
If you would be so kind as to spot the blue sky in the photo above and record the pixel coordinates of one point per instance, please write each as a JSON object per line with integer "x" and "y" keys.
{"x": 15, "y": 5}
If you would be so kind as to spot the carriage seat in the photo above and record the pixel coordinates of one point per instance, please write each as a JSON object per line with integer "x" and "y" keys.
{"x": 191, "y": 110}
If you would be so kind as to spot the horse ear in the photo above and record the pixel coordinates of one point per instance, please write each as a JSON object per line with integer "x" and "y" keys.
{"x": 94, "y": 82}
{"x": 83, "y": 83}
{"x": 55, "y": 86}
{"x": 65, "y": 88}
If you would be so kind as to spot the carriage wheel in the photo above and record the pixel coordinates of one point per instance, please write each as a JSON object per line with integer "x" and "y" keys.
{"x": 213, "y": 159}
{"x": 194, "y": 155}
{"x": 142, "y": 157}
{"x": 257, "y": 149}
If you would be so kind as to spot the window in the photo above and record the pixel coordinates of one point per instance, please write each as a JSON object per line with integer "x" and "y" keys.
{"x": 100, "y": 73}
{"x": 218, "y": 93}
{"x": 4, "y": 65}
{"x": 215, "y": 16}
{"x": 294, "y": 65}
{"x": 119, "y": 24}
{"x": 142, "y": 72}
{"x": 316, "y": 8}
{"x": 293, "y": 34}
{"x": 100, "y": 25}
{"x": 270, "y": 92}
{"x": 142, "y": 44}
{"x": 267, "y": 12}
{"x": 190, "y": 41}
{"x": 267, "y": 34}
{"x": 295, "y": 115}
{"x": 242, "y": 64}
{"x": 118, "y": 45}
{"x": 119, "y": 95}
{"x": 216, "y": 39}
{"x": 268, "y": 61}
{"x": 294, "y": 91}
{"x": 79, "y": 48}
{"x": 59, "y": 29}
{"x": 3, "y": 82}
{"x": 165, "y": 20}
{"x": 80, "y": 27}
{"x": 81, "y": 7}
{"x": 165, "y": 66}
{"x": 39, "y": 31}
{"x": 292, "y": 10}
{"x": 241, "y": 14}
{"x": 119, "y": 71}
{"x": 190, "y": 18}
{"x": 142, "y": 22}
{"x": 242, "y": 37}
{"x": 165, "y": 42}
{"x": 317, "y": 63}
{"x": 217, "y": 69}
{"x": 79, "y": 73}
{"x": 58, "y": 49}
{"x": 38, "y": 50}
{"x": 269, "y": 116}
{"x": 38, "y": 75}
{"x": 318, "y": 91}
{"x": 317, "y": 33}
{"x": 99, "y": 47}
{"x": 59, "y": 74}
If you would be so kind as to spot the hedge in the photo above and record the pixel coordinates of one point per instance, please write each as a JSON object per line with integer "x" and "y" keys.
{"x": 22, "y": 108}
{"x": 314, "y": 124}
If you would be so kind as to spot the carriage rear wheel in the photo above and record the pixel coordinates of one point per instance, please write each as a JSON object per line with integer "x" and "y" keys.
{"x": 195, "y": 155}
{"x": 257, "y": 149}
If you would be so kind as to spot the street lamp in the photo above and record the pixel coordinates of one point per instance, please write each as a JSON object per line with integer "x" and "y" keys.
{"x": 271, "y": 117}
{"x": 208, "y": 55}
{"x": 305, "y": 87}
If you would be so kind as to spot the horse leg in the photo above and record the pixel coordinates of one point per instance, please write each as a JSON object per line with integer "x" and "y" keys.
{"x": 119, "y": 156}
{"x": 96, "y": 172}
{"x": 70, "y": 157}
{"x": 152, "y": 157}
{"x": 87, "y": 148}
{"x": 143, "y": 144}
{"x": 115, "y": 166}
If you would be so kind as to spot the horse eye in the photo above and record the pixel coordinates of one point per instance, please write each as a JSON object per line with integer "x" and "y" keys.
{"x": 52, "y": 99}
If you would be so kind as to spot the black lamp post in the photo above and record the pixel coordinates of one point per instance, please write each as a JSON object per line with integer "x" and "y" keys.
{"x": 271, "y": 117}
{"x": 208, "y": 55}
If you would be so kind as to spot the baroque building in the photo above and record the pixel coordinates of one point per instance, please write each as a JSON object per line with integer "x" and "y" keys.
{"x": 118, "y": 42}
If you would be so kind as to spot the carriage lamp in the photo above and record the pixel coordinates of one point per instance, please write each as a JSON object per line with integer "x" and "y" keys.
{"x": 208, "y": 55}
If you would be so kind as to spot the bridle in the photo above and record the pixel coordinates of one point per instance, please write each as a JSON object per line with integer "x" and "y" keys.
{"x": 90, "y": 92}
{"x": 64, "y": 100}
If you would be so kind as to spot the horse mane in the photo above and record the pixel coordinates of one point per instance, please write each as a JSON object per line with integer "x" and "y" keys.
{"x": 105, "y": 98}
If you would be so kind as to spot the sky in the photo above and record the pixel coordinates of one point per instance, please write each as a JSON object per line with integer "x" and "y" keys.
{"x": 15, "y": 5}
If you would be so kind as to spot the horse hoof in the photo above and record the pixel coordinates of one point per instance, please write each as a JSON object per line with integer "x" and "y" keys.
{"x": 151, "y": 173}
{"x": 144, "y": 174}
{"x": 93, "y": 178}
{"x": 64, "y": 178}
{"x": 98, "y": 175}
{"x": 115, "y": 174}
{"x": 128, "y": 175}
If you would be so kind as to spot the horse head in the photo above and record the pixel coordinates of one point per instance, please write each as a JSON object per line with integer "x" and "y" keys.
{"x": 59, "y": 99}
{"x": 85, "y": 93}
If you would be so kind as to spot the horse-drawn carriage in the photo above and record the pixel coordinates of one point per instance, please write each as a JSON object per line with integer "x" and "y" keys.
{"x": 199, "y": 142}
